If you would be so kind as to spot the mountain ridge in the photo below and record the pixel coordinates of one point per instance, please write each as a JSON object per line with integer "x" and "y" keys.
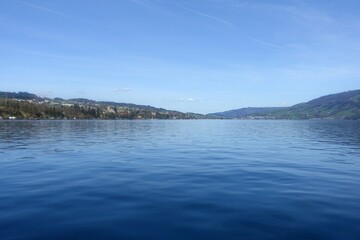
{"x": 24, "y": 105}
{"x": 343, "y": 105}
{"x": 244, "y": 112}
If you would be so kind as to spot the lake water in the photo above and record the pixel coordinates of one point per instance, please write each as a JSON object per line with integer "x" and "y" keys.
{"x": 202, "y": 179}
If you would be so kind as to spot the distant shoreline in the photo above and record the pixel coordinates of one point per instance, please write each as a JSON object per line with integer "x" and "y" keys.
{"x": 23, "y": 105}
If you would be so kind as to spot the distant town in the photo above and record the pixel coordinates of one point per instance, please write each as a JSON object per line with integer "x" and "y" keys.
{"x": 23, "y": 105}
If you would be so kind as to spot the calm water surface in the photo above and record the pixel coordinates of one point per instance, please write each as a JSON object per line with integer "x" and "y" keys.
{"x": 180, "y": 180}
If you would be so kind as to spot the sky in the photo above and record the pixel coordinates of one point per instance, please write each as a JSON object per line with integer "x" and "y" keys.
{"x": 194, "y": 56}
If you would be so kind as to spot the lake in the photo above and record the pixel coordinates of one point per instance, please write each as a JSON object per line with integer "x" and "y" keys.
{"x": 177, "y": 179}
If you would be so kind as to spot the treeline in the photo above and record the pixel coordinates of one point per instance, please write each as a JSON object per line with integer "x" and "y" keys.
{"x": 20, "y": 109}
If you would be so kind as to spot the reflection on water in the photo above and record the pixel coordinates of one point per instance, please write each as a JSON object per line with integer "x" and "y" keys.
{"x": 179, "y": 179}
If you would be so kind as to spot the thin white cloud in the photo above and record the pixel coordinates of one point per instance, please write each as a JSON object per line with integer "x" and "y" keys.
{"x": 54, "y": 12}
{"x": 267, "y": 44}
{"x": 186, "y": 100}
{"x": 205, "y": 15}
{"x": 298, "y": 10}
{"x": 150, "y": 5}
{"x": 118, "y": 90}
{"x": 44, "y": 9}
{"x": 54, "y": 55}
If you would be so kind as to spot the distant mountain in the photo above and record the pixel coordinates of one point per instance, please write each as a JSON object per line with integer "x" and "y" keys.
{"x": 23, "y": 105}
{"x": 245, "y": 112}
{"x": 345, "y": 105}
{"x": 19, "y": 95}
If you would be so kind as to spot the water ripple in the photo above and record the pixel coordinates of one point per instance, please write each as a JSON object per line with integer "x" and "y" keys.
{"x": 179, "y": 180}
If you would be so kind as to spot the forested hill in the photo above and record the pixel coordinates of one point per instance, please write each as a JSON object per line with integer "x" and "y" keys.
{"x": 245, "y": 112}
{"x": 19, "y": 95}
{"x": 23, "y": 105}
{"x": 345, "y": 105}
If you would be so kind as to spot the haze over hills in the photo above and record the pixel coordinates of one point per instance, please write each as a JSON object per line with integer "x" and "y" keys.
{"x": 23, "y": 105}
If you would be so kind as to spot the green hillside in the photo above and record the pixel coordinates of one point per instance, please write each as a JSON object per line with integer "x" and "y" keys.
{"x": 245, "y": 112}
{"x": 24, "y": 105}
{"x": 345, "y": 105}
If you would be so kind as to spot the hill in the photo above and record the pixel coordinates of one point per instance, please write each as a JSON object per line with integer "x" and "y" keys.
{"x": 345, "y": 105}
{"x": 23, "y": 105}
{"x": 19, "y": 95}
{"x": 245, "y": 112}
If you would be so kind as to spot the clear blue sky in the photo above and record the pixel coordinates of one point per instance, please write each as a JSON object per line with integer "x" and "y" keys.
{"x": 201, "y": 56}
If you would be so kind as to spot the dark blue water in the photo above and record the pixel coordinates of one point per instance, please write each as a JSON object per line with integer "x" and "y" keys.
{"x": 180, "y": 180}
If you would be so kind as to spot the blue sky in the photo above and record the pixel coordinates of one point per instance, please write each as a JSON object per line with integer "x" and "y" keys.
{"x": 200, "y": 56}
